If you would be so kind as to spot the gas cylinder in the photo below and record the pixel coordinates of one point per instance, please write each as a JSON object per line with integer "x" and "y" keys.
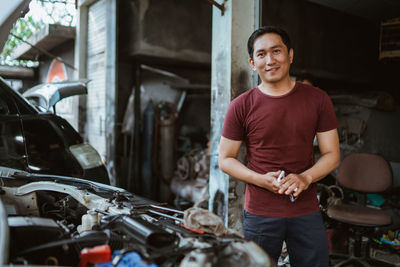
{"x": 167, "y": 116}
{"x": 148, "y": 180}
{"x": 167, "y": 113}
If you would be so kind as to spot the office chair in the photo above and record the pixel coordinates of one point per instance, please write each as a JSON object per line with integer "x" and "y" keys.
{"x": 363, "y": 173}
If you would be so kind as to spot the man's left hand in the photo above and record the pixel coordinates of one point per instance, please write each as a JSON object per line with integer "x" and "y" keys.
{"x": 292, "y": 181}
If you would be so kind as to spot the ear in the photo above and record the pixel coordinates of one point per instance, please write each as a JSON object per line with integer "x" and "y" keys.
{"x": 251, "y": 62}
{"x": 291, "y": 54}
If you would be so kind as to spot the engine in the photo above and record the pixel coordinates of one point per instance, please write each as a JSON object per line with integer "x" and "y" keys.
{"x": 78, "y": 224}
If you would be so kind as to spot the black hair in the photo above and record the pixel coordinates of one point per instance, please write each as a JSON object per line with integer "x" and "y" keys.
{"x": 268, "y": 29}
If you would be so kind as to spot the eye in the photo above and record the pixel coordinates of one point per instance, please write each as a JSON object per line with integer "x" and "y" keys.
{"x": 276, "y": 51}
{"x": 260, "y": 54}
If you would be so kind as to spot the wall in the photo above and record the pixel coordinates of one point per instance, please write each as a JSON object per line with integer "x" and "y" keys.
{"x": 175, "y": 29}
{"x": 96, "y": 71}
{"x": 328, "y": 44}
{"x": 95, "y": 59}
{"x": 387, "y": 77}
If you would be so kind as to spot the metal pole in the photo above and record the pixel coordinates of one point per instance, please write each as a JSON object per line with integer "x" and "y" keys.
{"x": 137, "y": 126}
{"x": 134, "y": 148}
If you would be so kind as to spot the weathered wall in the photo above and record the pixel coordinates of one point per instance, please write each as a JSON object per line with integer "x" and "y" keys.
{"x": 174, "y": 29}
{"x": 328, "y": 44}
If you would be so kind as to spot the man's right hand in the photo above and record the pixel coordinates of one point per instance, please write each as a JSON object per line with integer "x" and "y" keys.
{"x": 269, "y": 181}
{"x": 228, "y": 151}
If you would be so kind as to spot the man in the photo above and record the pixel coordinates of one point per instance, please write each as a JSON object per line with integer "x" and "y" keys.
{"x": 278, "y": 121}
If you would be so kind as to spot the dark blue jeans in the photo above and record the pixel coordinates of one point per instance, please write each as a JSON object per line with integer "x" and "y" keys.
{"x": 305, "y": 237}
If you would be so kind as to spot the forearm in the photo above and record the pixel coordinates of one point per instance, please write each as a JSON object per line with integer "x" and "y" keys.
{"x": 229, "y": 164}
{"x": 236, "y": 169}
{"x": 326, "y": 164}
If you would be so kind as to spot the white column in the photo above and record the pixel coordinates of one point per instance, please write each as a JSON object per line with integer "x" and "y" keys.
{"x": 95, "y": 59}
{"x": 230, "y": 76}
{"x": 111, "y": 87}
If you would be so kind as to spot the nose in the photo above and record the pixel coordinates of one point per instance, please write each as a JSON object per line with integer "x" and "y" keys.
{"x": 270, "y": 59}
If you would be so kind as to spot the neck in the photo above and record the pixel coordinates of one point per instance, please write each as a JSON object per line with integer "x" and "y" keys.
{"x": 277, "y": 88}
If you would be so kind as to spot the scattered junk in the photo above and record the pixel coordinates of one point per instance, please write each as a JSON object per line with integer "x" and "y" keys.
{"x": 160, "y": 104}
{"x": 355, "y": 113}
{"x": 234, "y": 254}
{"x": 190, "y": 183}
{"x": 174, "y": 162}
{"x": 387, "y": 248}
{"x": 205, "y": 221}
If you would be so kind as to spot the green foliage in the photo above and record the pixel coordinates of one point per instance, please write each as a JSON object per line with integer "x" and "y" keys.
{"x": 58, "y": 11}
{"x": 24, "y": 28}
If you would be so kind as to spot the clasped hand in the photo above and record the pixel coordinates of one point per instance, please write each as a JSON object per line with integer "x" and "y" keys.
{"x": 288, "y": 184}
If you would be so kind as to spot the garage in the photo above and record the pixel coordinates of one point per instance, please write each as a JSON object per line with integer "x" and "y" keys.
{"x": 163, "y": 74}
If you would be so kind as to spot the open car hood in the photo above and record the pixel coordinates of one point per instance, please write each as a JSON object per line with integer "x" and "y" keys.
{"x": 46, "y": 95}
{"x": 56, "y": 220}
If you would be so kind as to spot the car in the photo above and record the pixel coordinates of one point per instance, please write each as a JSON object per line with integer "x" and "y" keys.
{"x": 56, "y": 220}
{"x": 37, "y": 141}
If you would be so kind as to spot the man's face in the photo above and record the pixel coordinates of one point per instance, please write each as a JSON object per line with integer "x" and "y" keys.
{"x": 271, "y": 58}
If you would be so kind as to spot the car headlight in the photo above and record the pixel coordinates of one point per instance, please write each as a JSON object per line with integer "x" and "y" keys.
{"x": 86, "y": 155}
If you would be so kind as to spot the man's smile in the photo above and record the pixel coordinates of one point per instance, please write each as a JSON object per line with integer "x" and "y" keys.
{"x": 272, "y": 69}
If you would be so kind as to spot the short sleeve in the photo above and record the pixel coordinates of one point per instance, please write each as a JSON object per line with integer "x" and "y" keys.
{"x": 234, "y": 122}
{"x": 327, "y": 118}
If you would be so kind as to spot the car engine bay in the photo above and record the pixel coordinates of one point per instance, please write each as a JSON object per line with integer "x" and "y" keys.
{"x": 50, "y": 220}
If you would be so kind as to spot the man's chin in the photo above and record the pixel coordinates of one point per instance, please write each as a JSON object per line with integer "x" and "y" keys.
{"x": 273, "y": 79}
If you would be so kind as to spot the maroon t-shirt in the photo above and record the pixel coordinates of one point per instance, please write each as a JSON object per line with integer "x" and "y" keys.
{"x": 278, "y": 132}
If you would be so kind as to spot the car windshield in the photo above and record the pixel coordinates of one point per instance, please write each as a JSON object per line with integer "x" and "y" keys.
{"x": 19, "y": 104}
{"x": 11, "y": 144}
{"x": 12, "y": 149}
